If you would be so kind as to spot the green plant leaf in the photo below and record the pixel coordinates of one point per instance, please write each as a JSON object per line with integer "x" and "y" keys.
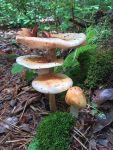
{"x": 29, "y": 75}
{"x": 70, "y": 60}
{"x": 83, "y": 49}
{"x": 16, "y": 68}
{"x": 91, "y": 34}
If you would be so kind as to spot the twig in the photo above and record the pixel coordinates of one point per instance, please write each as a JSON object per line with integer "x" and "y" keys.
{"x": 80, "y": 142}
{"x": 23, "y": 145}
{"x": 26, "y": 104}
{"x": 24, "y": 110}
{"x": 14, "y": 141}
{"x": 33, "y": 108}
{"x": 81, "y": 133}
{"x": 1, "y": 142}
{"x": 41, "y": 111}
{"x": 25, "y": 136}
{"x": 77, "y": 133}
{"x": 24, "y": 91}
{"x": 13, "y": 110}
{"x": 87, "y": 130}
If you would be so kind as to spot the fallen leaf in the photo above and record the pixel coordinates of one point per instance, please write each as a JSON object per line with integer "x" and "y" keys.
{"x": 102, "y": 123}
{"x": 25, "y": 127}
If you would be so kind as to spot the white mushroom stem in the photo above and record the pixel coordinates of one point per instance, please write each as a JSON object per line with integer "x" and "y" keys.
{"x": 52, "y": 102}
{"x": 74, "y": 111}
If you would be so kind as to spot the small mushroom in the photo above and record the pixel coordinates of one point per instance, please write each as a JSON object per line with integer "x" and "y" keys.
{"x": 76, "y": 99}
{"x": 52, "y": 84}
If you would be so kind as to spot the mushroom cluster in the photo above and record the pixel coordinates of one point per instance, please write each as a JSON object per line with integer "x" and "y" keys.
{"x": 47, "y": 81}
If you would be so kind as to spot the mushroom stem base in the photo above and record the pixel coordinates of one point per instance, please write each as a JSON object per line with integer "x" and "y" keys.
{"x": 74, "y": 111}
{"x": 52, "y": 102}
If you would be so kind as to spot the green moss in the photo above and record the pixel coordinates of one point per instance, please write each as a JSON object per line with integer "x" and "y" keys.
{"x": 53, "y": 132}
{"x": 34, "y": 145}
{"x": 84, "y": 59}
{"x": 100, "y": 68}
{"x": 95, "y": 67}
{"x": 79, "y": 72}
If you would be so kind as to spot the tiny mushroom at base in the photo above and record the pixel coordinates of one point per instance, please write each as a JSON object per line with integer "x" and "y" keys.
{"x": 76, "y": 99}
{"x": 52, "y": 84}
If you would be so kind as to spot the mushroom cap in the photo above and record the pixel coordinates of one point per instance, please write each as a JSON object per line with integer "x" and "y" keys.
{"x": 63, "y": 41}
{"x": 66, "y": 36}
{"x": 76, "y": 97}
{"x": 38, "y": 62}
{"x": 52, "y": 83}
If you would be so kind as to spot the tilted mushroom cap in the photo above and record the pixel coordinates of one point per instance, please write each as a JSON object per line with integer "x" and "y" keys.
{"x": 36, "y": 62}
{"x": 75, "y": 97}
{"x": 63, "y": 41}
{"x": 52, "y": 83}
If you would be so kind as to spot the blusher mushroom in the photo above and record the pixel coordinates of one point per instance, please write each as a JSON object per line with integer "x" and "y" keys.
{"x": 76, "y": 99}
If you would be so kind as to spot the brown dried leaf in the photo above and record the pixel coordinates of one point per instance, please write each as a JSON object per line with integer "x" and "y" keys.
{"x": 27, "y": 32}
{"x": 24, "y": 32}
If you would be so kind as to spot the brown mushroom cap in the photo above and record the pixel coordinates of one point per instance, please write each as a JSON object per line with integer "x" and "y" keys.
{"x": 63, "y": 41}
{"x": 36, "y": 62}
{"x": 52, "y": 83}
{"x": 75, "y": 97}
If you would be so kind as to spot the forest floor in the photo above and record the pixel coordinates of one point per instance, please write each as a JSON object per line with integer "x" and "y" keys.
{"x": 22, "y": 108}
